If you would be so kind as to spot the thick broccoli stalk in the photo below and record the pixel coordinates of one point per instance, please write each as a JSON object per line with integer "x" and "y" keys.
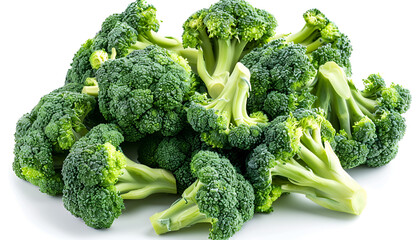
{"x": 44, "y": 136}
{"x": 98, "y": 177}
{"x": 220, "y": 196}
{"x": 224, "y": 121}
{"x": 371, "y": 117}
{"x": 297, "y": 158}
{"x": 224, "y": 33}
{"x": 144, "y": 92}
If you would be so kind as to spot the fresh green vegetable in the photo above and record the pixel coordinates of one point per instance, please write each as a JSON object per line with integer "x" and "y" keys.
{"x": 223, "y": 34}
{"x": 224, "y": 121}
{"x": 219, "y": 196}
{"x": 98, "y": 177}
{"x": 144, "y": 92}
{"x": 297, "y": 157}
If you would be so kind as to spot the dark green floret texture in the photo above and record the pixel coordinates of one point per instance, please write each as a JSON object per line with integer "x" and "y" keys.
{"x": 144, "y": 92}
{"x": 230, "y": 119}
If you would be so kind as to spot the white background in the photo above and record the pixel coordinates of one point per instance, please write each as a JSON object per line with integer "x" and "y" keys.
{"x": 39, "y": 38}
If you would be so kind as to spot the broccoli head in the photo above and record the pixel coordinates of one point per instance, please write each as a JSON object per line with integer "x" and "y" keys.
{"x": 224, "y": 33}
{"x": 120, "y": 34}
{"x": 219, "y": 196}
{"x": 44, "y": 136}
{"x": 281, "y": 76}
{"x": 98, "y": 177}
{"x": 224, "y": 121}
{"x": 144, "y": 92}
{"x": 371, "y": 117}
{"x": 297, "y": 158}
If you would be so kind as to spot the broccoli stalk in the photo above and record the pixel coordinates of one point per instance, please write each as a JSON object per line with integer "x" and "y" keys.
{"x": 219, "y": 196}
{"x": 98, "y": 177}
{"x": 182, "y": 213}
{"x": 139, "y": 181}
{"x": 297, "y": 157}
{"x": 371, "y": 117}
{"x": 325, "y": 182}
{"x": 224, "y": 33}
{"x": 224, "y": 121}
{"x": 315, "y": 21}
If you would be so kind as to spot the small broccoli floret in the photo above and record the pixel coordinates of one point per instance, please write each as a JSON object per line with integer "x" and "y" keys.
{"x": 317, "y": 31}
{"x": 144, "y": 92}
{"x": 120, "y": 34}
{"x": 219, "y": 196}
{"x": 224, "y": 121}
{"x": 98, "y": 177}
{"x": 44, "y": 136}
{"x": 295, "y": 151}
{"x": 350, "y": 152}
{"x": 224, "y": 33}
{"x": 338, "y": 52}
{"x": 371, "y": 117}
{"x": 175, "y": 153}
{"x": 281, "y": 76}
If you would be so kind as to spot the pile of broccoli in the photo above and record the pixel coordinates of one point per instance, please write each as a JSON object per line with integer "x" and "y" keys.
{"x": 231, "y": 118}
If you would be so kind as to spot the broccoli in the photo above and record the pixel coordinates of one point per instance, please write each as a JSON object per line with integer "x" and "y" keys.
{"x": 223, "y": 34}
{"x": 120, "y": 34}
{"x": 317, "y": 31}
{"x": 144, "y": 92}
{"x": 296, "y": 157}
{"x": 281, "y": 76}
{"x": 219, "y": 196}
{"x": 224, "y": 121}
{"x": 98, "y": 177}
{"x": 173, "y": 154}
{"x": 371, "y": 117}
{"x": 44, "y": 136}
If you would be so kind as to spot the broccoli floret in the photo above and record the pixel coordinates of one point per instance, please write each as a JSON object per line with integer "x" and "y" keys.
{"x": 219, "y": 196}
{"x": 295, "y": 151}
{"x": 281, "y": 75}
{"x": 175, "y": 153}
{"x": 224, "y": 121}
{"x": 44, "y": 136}
{"x": 317, "y": 31}
{"x": 224, "y": 33}
{"x": 120, "y": 34}
{"x": 98, "y": 177}
{"x": 144, "y": 92}
{"x": 371, "y": 117}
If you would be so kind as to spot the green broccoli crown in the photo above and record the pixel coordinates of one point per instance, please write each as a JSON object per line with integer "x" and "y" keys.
{"x": 319, "y": 31}
{"x": 369, "y": 117}
{"x": 120, "y": 34}
{"x": 350, "y": 152}
{"x": 175, "y": 153}
{"x": 98, "y": 177}
{"x": 144, "y": 92}
{"x": 219, "y": 196}
{"x": 224, "y": 33}
{"x": 338, "y": 52}
{"x": 281, "y": 68}
{"x": 228, "y": 20}
{"x": 80, "y": 68}
{"x": 44, "y": 136}
{"x": 224, "y": 121}
{"x": 315, "y": 18}
{"x": 141, "y": 16}
{"x": 392, "y": 98}
{"x": 295, "y": 150}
